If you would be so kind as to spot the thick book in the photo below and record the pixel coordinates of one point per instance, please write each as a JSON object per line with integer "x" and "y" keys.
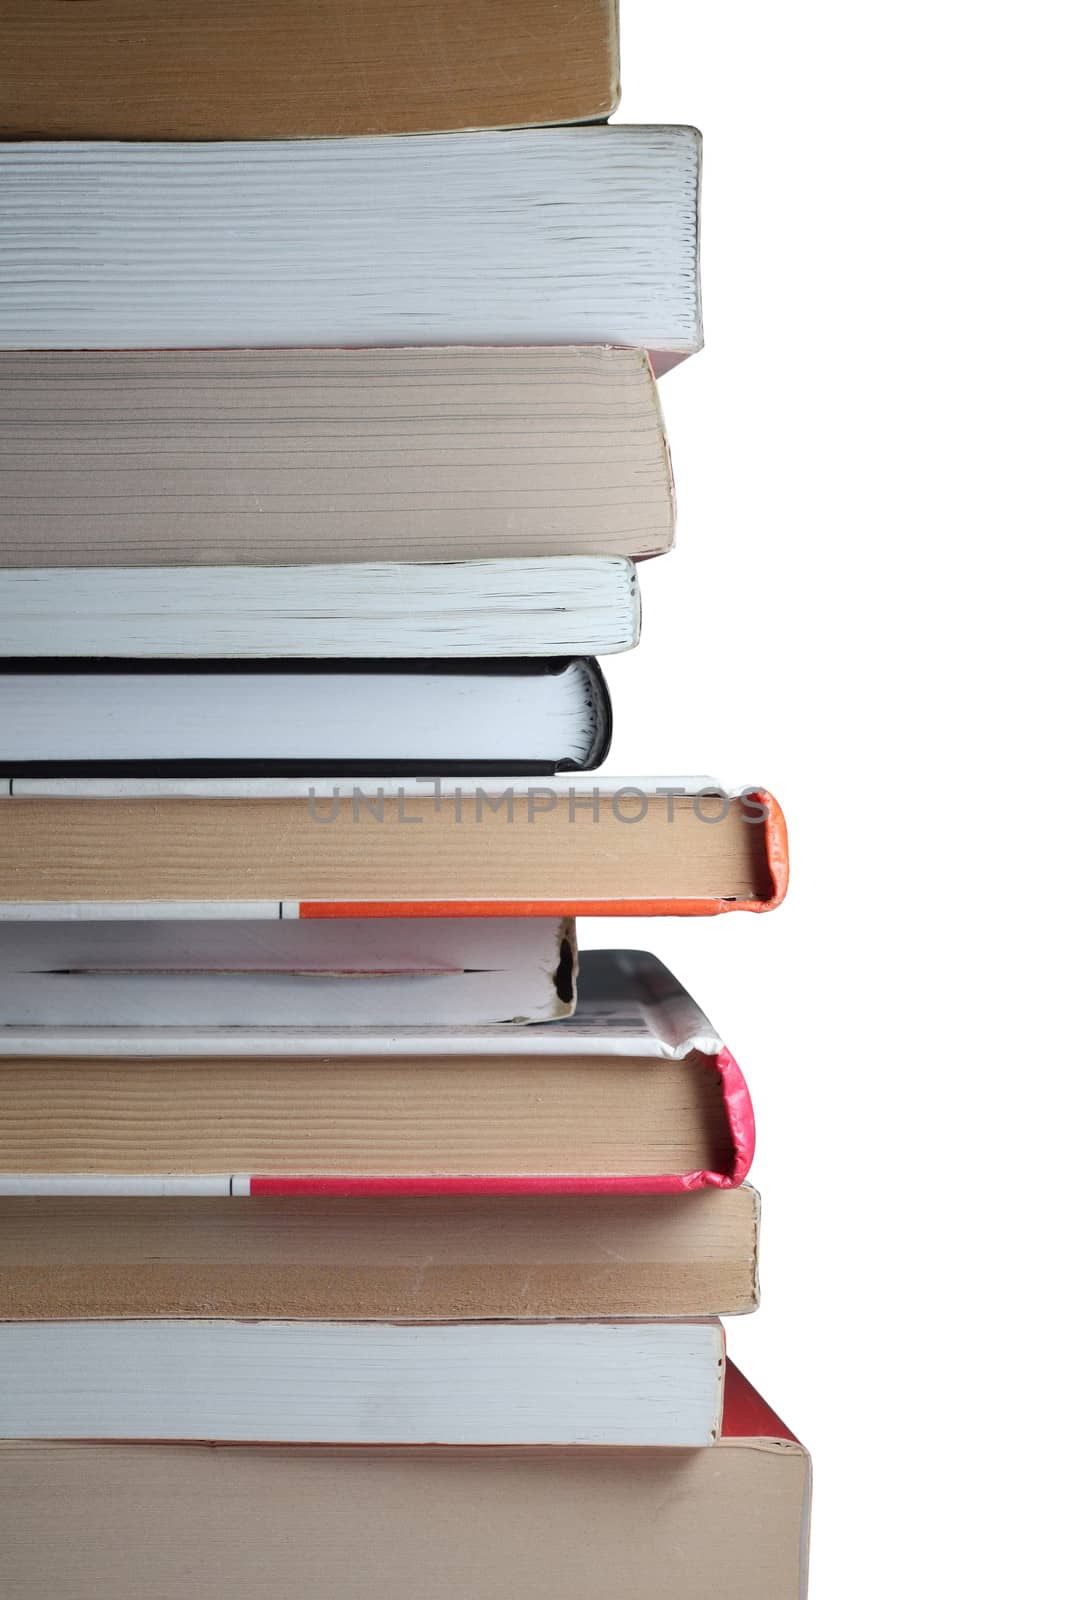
{"x": 383, "y": 610}
{"x": 443, "y": 1256}
{"x": 353, "y": 718}
{"x": 386, "y": 972}
{"x": 122, "y": 458}
{"x": 553, "y": 236}
{"x": 269, "y": 69}
{"x": 313, "y": 1382}
{"x": 633, "y": 1094}
{"x": 322, "y": 847}
{"x": 255, "y": 1523}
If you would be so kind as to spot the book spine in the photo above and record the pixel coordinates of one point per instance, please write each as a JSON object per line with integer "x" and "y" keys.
{"x": 245, "y": 1185}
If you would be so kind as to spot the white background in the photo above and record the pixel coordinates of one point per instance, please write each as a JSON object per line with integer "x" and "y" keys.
{"x": 865, "y": 613}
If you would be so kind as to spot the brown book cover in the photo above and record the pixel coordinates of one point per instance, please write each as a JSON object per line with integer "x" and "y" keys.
{"x": 447, "y": 1256}
{"x": 266, "y": 69}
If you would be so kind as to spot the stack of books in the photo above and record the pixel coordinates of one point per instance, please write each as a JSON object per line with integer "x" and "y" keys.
{"x": 326, "y": 463}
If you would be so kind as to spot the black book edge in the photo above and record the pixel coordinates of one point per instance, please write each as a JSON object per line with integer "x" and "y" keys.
{"x": 268, "y": 666}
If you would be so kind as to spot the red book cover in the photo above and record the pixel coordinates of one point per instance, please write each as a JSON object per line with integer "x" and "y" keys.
{"x": 746, "y": 1414}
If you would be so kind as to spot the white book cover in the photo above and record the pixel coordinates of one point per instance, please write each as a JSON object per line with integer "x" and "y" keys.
{"x": 322, "y": 787}
{"x": 629, "y": 1005}
{"x": 362, "y": 717}
{"x": 541, "y": 606}
{"x": 546, "y": 236}
{"x": 471, "y": 1383}
{"x": 350, "y": 972}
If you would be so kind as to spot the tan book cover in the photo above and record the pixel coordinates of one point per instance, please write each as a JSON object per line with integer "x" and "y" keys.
{"x": 268, "y": 69}
{"x": 362, "y": 1118}
{"x": 439, "y": 1257}
{"x": 557, "y": 848}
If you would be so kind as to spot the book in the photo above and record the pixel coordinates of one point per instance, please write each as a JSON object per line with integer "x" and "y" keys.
{"x": 310, "y": 1382}
{"x": 317, "y": 847}
{"x": 635, "y": 1093}
{"x": 444, "y": 1256}
{"x": 386, "y": 610}
{"x": 267, "y": 69}
{"x": 122, "y": 458}
{"x": 255, "y": 974}
{"x": 551, "y": 236}
{"x": 120, "y": 1520}
{"x": 354, "y": 718}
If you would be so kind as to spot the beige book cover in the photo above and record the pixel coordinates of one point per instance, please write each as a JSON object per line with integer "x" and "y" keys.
{"x": 124, "y": 458}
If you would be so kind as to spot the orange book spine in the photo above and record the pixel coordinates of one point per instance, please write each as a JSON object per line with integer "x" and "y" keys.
{"x": 776, "y": 853}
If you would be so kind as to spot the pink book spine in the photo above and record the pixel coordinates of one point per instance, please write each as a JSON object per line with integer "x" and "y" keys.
{"x": 737, "y": 1105}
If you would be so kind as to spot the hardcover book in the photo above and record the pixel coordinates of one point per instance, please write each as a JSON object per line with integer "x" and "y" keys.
{"x": 321, "y": 847}
{"x": 634, "y": 1094}
{"x": 354, "y": 718}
